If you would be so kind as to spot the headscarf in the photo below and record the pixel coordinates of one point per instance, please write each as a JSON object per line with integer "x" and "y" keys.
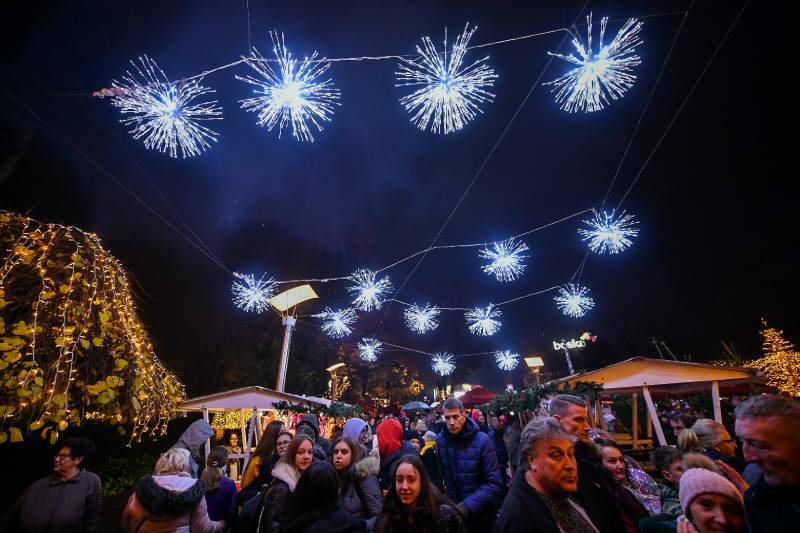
{"x": 390, "y": 433}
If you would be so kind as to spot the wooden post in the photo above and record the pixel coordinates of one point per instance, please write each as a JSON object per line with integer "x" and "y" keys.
{"x": 649, "y": 426}
{"x": 635, "y": 421}
{"x": 208, "y": 440}
{"x": 598, "y": 415}
{"x": 715, "y": 401}
{"x": 654, "y": 416}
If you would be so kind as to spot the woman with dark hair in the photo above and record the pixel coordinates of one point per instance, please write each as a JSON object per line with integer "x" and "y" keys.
{"x": 314, "y": 508}
{"x": 234, "y": 464}
{"x": 264, "y": 455}
{"x": 285, "y": 475}
{"x": 220, "y": 489}
{"x": 360, "y": 492}
{"x": 631, "y": 501}
{"x": 413, "y": 505}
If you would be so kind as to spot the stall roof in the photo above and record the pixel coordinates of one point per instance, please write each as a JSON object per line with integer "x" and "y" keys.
{"x": 245, "y": 398}
{"x": 677, "y": 376}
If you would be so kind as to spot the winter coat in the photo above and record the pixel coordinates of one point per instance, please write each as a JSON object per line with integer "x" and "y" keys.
{"x": 772, "y": 509}
{"x": 513, "y": 445}
{"x": 423, "y": 522}
{"x": 221, "y": 502}
{"x": 360, "y": 494}
{"x": 430, "y": 458}
{"x": 471, "y": 472}
{"x": 389, "y": 464}
{"x": 524, "y": 510}
{"x": 191, "y": 439}
{"x": 277, "y": 498}
{"x": 169, "y": 503}
{"x": 331, "y": 519}
{"x": 496, "y": 435}
{"x": 324, "y": 444}
{"x": 596, "y": 491}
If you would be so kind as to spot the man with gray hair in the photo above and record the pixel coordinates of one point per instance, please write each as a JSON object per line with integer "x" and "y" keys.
{"x": 540, "y": 497}
{"x": 769, "y": 426}
{"x": 595, "y": 486}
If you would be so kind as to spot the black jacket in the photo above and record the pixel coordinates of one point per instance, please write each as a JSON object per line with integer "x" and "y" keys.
{"x": 524, "y": 511}
{"x": 772, "y": 509}
{"x": 423, "y": 522}
{"x": 389, "y": 464}
{"x": 596, "y": 492}
{"x": 331, "y": 519}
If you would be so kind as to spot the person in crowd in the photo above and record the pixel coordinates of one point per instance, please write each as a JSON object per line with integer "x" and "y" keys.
{"x": 360, "y": 491}
{"x": 513, "y": 435}
{"x": 220, "y": 489}
{"x": 479, "y": 419}
{"x": 669, "y": 463}
{"x": 680, "y": 421}
{"x": 314, "y": 507}
{"x": 358, "y": 430}
{"x": 472, "y": 476}
{"x": 430, "y": 458}
{"x": 170, "y": 500}
{"x": 769, "y": 427}
{"x": 421, "y": 428}
{"x": 192, "y": 439}
{"x": 710, "y": 438}
{"x": 232, "y": 447}
{"x": 596, "y": 491}
{"x": 308, "y": 430}
{"x": 277, "y": 499}
{"x": 414, "y": 505}
{"x": 66, "y": 501}
{"x": 251, "y": 497}
{"x": 414, "y": 439}
{"x": 711, "y": 504}
{"x": 373, "y": 425}
{"x": 497, "y": 436}
{"x": 540, "y": 499}
{"x": 635, "y": 504}
{"x": 310, "y": 420}
{"x": 390, "y": 448}
{"x": 264, "y": 458}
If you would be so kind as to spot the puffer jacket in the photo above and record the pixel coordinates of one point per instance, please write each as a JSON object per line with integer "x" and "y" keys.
{"x": 360, "y": 494}
{"x": 469, "y": 465}
{"x": 173, "y": 503}
{"x": 277, "y": 498}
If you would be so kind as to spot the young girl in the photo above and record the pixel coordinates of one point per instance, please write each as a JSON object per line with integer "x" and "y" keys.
{"x": 360, "y": 492}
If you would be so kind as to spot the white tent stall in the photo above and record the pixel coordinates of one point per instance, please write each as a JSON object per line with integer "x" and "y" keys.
{"x": 246, "y": 398}
{"x": 641, "y": 374}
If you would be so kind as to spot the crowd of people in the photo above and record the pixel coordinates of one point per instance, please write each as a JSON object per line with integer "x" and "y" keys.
{"x": 450, "y": 472}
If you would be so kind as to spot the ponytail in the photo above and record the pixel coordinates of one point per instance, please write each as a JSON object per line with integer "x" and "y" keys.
{"x": 688, "y": 441}
{"x": 213, "y": 472}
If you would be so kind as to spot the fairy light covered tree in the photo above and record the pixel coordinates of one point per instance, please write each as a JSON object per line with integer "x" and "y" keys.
{"x": 780, "y": 362}
{"x": 72, "y": 347}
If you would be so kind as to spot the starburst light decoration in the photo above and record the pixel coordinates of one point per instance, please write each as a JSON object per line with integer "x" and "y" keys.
{"x": 251, "y": 294}
{"x": 164, "y": 114}
{"x": 368, "y": 290}
{"x": 336, "y": 323}
{"x": 506, "y": 359}
{"x": 506, "y": 259}
{"x": 609, "y": 233}
{"x": 443, "y": 363}
{"x": 573, "y": 301}
{"x": 422, "y": 319}
{"x": 449, "y": 92}
{"x": 483, "y": 320}
{"x": 293, "y": 93}
{"x": 598, "y": 77}
{"x": 369, "y": 349}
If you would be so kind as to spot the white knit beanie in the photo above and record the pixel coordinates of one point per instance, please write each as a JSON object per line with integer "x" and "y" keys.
{"x": 697, "y": 481}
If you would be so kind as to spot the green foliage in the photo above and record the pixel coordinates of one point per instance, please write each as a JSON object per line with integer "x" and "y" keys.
{"x": 529, "y": 399}
{"x": 120, "y": 474}
{"x": 336, "y": 409}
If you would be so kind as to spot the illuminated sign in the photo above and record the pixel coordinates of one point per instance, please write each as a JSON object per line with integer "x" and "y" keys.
{"x": 572, "y": 343}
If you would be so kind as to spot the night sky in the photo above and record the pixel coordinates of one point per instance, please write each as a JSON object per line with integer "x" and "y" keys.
{"x": 712, "y": 258}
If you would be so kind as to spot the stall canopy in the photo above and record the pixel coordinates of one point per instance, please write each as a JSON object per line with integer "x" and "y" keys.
{"x": 477, "y": 396}
{"x": 649, "y": 376}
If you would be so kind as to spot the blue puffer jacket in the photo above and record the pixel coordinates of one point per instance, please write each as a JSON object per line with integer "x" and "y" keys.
{"x": 470, "y": 468}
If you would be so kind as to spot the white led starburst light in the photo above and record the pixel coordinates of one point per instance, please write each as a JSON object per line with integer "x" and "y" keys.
{"x": 443, "y": 363}
{"x": 483, "y": 320}
{"x": 602, "y": 76}
{"x": 609, "y": 233}
{"x": 422, "y": 319}
{"x": 368, "y": 290}
{"x": 573, "y": 301}
{"x": 336, "y": 323}
{"x": 164, "y": 114}
{"x": 506, "y": 259}
{"x": 506, "y": 360}
{"x": 251, "y": 294}
{"x": 369, "y": 349}
{"x": 292, "y": 93}
{"x": 449, "y": 92}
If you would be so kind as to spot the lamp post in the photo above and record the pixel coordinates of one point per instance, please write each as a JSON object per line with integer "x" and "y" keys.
{"x": 285, "y": 303}
{"x": 535, "y": 363}
{"x": 335, "y": 387}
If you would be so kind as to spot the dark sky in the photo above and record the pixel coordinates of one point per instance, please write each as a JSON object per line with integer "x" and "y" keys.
{"x": 714, "y": 250}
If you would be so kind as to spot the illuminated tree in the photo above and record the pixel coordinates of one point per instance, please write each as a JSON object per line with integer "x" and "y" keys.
{"x": 73, "y": 348}
{"x": 781, "y": 363}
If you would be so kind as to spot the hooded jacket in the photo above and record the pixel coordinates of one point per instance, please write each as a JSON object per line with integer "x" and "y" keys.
{"x": 353, "y": 428}
{"x": 311, "y": 420}
{"x": 360, "y": 494}
{"x": 191, "y": 439}
{"x": 469, "y": 465}
{"x": 169, "y": 503}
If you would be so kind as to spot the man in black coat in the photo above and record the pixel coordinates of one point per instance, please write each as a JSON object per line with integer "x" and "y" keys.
{"x": 769, "y": 427}
{"x": 540, "y": 497}
{"x": 595, "y": 486}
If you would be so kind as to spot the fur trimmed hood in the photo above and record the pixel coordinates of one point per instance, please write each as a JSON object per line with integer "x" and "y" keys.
{"x": 286, "y": 473}
{"x": 368, "y": 466}
{"x": 159, "y": 500}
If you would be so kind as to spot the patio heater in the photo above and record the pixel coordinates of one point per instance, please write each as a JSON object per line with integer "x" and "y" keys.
{"x": 286, "y": 304}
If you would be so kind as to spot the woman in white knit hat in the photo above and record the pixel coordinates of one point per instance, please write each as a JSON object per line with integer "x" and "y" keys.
{"x": 711, "y": 504}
